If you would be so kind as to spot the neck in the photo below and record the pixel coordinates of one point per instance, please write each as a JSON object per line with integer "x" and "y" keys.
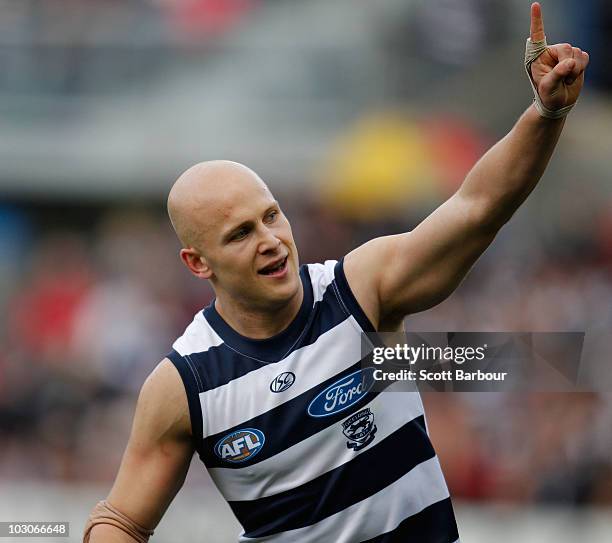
{"x": 259, "y": 323}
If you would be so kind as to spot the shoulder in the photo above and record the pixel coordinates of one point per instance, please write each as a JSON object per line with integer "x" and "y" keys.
{"x": 162, "y": 408}
{"x": 364, "y": 268}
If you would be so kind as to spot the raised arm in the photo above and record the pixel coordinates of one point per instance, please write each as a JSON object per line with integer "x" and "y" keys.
{"x": 396, "y": 275}
{"x": 155, "y": 461}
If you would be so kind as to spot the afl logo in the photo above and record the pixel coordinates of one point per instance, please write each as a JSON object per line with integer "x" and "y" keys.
{"x": 282, "y": 382}
{"x": 342, "y": 394}
{"x": 240, "y": 445}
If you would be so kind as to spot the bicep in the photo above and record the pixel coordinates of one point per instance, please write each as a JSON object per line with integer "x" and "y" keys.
{"x": 414, "y": 271}
{"x": 159, "y": 450}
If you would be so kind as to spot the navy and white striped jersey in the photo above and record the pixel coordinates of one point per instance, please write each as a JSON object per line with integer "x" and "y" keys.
{"x": 295, "y": 439}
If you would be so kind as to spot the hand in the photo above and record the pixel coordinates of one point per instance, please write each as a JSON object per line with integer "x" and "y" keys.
{"x": 558, "y": 72}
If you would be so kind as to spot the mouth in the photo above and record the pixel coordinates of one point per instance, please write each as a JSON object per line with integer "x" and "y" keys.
{"x": 276, "y": 269}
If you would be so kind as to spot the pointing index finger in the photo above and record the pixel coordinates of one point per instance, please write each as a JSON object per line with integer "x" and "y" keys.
{"x": 537, "y": 24}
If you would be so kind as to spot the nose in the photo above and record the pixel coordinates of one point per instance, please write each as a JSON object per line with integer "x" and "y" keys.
{"x": 269, "y": 242}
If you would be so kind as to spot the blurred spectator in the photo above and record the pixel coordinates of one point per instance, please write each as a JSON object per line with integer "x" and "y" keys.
{"x": 42, "y": 316}
{"x": 125, "y": 324}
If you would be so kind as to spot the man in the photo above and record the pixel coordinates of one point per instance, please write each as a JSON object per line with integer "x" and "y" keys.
{"x": 265, "y": 383}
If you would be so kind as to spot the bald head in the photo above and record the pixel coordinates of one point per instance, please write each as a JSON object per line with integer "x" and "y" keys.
{"x": 203, "y": 194}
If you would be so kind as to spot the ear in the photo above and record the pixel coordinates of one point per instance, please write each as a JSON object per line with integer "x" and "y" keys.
{"x": 195, "y": 262}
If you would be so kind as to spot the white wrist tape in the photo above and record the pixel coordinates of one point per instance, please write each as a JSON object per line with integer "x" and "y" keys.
{"x": 533, "y": 49}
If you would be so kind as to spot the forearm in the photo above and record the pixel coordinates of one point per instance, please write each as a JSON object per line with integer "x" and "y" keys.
{"x": 501, "y": 180}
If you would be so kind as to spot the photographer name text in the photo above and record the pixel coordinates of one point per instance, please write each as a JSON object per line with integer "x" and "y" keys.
{"x": 446, "y": 375}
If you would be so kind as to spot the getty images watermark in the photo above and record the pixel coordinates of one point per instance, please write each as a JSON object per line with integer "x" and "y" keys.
{"x": 426, "y": 355}
{"x": 470, "y": 361}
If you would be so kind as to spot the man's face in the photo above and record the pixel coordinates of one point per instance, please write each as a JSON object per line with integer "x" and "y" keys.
{"x": 249, "y": 247}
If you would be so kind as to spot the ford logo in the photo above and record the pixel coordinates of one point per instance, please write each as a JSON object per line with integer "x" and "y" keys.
{"x": 342, "y": 394}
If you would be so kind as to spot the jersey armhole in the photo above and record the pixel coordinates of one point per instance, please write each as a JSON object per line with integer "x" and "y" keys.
{"x": 192, "y": 389}
{"x": 349, "y": 300}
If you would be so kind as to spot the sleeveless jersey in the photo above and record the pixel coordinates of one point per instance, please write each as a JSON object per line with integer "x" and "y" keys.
{"x": 295, "y": 439}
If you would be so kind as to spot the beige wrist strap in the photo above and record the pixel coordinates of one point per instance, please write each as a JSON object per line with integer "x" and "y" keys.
{"x": 105, "y": 513}
{"x": 533, "y": 50}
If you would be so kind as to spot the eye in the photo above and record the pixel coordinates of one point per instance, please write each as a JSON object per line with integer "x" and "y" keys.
{"x": 240, "y": 234}
{"x": 271, "y": 217}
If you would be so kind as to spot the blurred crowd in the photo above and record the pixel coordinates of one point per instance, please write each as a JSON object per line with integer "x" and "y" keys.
{"x": 91, "y": 304}
{"x": 88, "y": 46}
